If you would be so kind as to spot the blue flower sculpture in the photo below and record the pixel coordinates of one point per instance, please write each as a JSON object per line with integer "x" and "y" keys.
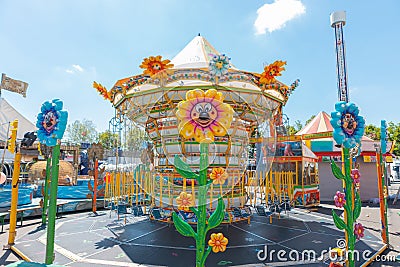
{"x": 51, "y": 122}
{"x": 348, "y": 126}
{"x": 219, "y": 65}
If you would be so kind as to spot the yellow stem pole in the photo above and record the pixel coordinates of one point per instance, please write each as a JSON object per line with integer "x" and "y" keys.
{"x": 14, "y": 199}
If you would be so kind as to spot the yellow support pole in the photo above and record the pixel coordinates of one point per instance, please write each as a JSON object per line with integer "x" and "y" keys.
{"x": 184, "y": 184}
{"x": 14, "y": 199}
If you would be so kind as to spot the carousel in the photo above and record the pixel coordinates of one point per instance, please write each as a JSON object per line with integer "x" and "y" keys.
{"x": 199, "y": 72}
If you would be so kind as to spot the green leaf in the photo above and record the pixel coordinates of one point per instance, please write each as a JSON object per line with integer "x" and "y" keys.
{"x": 195, "y": 211}
{"x": 357, "y": 207}
{"x": 217, "y": 216}
{"x": 184, "y": 169}
{"x": 183, "y": 227}
{"x": 340, "y": 224}
{"x": 337, "y": 172}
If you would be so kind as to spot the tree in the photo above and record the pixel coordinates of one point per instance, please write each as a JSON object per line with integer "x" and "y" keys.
{"x": 135, "y": 138}
{"x": 310, "y": 119}
{"x": 81, "y": 132}
{"x": 394, "y": 135}
{"x": 294, "y": 129}
{"x": 372, "y": 132}
{"x": 109, "y": 140}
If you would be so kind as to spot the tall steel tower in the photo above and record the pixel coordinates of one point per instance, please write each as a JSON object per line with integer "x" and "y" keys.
{"x": 338, "y": 20}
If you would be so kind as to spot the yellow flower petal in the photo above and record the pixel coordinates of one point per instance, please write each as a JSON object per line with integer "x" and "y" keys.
{"x": 212, "y": 93}
{"x": 186, "y": 129}
{"x": 224, "y": 241}
{"x": 215, "y": 249}
{"x": 194, "y": 94}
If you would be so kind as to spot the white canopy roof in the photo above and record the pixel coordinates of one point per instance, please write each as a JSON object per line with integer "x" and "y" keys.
{"x": 7, "y": 114}
{"x": 196, "y": 54}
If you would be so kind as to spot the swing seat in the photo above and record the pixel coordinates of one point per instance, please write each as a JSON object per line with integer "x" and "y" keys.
{"x": 137, "y": 211}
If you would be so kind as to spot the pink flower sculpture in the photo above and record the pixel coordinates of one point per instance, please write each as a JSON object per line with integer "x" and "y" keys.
{"x": 355, "y": 174}
{"x": 340, "y": 199}
{"x": 359, "y": 230}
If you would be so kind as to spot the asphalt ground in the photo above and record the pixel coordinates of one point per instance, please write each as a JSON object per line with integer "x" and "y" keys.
{"x": 86, "y": 240}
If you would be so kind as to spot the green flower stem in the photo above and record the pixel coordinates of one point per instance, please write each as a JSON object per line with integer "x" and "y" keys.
{"x": 349, "y": 206}
{"x": 201, "y": 222}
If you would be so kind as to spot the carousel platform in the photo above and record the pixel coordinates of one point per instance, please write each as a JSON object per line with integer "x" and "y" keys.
{"x": 105, "y": 239}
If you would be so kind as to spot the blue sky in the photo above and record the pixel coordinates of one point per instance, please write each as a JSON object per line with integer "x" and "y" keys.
{"x": 61, "y": 47}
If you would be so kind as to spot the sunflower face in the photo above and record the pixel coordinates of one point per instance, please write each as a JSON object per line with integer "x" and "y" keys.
{"x": 203, "y": 115}
{"x": 271, "y": 71}
{"x": 153, "y": 65}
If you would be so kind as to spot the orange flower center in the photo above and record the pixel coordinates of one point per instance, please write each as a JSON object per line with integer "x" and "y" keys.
{"x": 185, "y": 201}
{"x": 217, "y": 242}
{"x": 340, "y": 199}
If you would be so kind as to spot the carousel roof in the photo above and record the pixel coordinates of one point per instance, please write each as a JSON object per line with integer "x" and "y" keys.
{"x": 196, "y": 54}
{"x": 197, "y": 65}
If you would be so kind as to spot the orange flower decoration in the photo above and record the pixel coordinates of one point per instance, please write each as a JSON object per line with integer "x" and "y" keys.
{"x": 218, "y": 175}
{"x": 218, "y": 242}
{"x": 271, "y": 71}
{"x": 185, "y": 201}
{"x": 102, "y": 90}
{"x": 156, "y": 67}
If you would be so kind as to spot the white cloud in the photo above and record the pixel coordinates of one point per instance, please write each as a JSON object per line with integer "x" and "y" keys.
{"x": 75, "y": 68}
{"x": 273, "y": 16}
{"x": 78, "y": 68}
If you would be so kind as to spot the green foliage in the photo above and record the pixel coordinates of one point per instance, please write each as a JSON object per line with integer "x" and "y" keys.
{"x": 183, "y": 227}
{"x": 109, "y": 140}
{"x": 340, "y": 224}
{"x": 357, "y": 207}
{"x": 372, "y": 132}
{"x": 134, "y": 138}
{"x": 337, "y": 172}
{"x": 394, "y": 135}
{"x": 310, "y": 119}
{"x": 217, "y": 216}
{"x": 81, "y": 132}
{"x": 184, "y": 169}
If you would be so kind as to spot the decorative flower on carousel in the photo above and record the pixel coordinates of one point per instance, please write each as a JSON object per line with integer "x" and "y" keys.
{"x": 355, "y": 175}
{"x": 219, "y": 65}
{"x": 348, "y": 126}
{"x": 185, "y": 201}
{"x": 51, "y": 122}
{"x": 203, "y": 115}
{"x": 271, "y": 71}
{"x": 155, "y": 67}
{"x": 340, "y": 199}
{"x": 102, "y": 90}
{"x": 359, "y": 230}
{"x": 218, "y": 175}
{"x": 218, "y": 242}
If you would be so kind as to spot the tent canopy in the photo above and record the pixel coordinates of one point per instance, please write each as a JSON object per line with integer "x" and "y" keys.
{"x": 7, "y": 114}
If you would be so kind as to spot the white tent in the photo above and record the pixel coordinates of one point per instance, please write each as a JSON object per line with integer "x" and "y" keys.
{"x": 7, "y": 114}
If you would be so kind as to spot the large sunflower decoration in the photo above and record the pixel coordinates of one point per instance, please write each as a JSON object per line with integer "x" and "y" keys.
{"x": 219, "y": 65}
{"x": 271, "y": 71}
{"x": 348, "y": 126}
{"x": 203, "y": 115}
{"x": 155, "y": 67}
{"x": 51, "y": 122}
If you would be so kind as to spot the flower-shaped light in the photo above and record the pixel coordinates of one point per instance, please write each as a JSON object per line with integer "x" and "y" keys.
{"x": 340, "y": 199}
{"x": 218, "y": 175}
{"x": 348, "y": 126}
{"x": 102, "y": 91}
{"x": 271, "y": 71}
{"x": 359, "y": 230}
{"x": 355, "y": 174}
{"x": 203, "y": 115}
{"x": 218, "y": 242}
{"x": 51, "y": 122}
{"x": 185, "y": 201}
{"x": 155, "y": 67}
{"x": 219, "y": 65}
